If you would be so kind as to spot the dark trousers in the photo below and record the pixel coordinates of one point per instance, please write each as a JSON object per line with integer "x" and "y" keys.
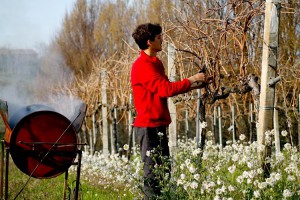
{"x": 149, "y": 139}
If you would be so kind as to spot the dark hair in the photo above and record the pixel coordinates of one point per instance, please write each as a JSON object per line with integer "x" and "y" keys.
{"x": 145, "y": 32}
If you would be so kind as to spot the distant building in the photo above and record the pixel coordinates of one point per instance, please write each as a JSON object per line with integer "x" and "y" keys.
{"x": 18, "y": 61}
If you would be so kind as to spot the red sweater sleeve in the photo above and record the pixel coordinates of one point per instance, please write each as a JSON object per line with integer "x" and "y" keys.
{"x": 153, "y": 78}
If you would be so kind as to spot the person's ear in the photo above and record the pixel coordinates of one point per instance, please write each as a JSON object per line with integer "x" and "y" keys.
{"x": 149, "y": 42}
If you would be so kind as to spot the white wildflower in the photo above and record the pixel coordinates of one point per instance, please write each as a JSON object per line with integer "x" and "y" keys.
{"x": 209, "y": 143}
{"x": 228, "y": 142}
{"x": 242, "y": 137}
{"x": 287, "y": 193}
{"x": 126, "y": 147}
{"x": 256, "y": 194}
{"x": 194, "y": 185}
{"x": 217, "y": 197}
{"x": 182, "y": 166}
{"x": 294, "y": 157}
{"x": 287, "y": 146}
{"x": 218, "y": 191}
{"x": 182, "y": 176}
{"x": 257, "y": 125}
{"x": 239, "y": 179}
{"x": 196, "y": 152}
{"x": 235, "y": 157}
{"x": 284, "y": 133}
{"x": 209, "y": 133}
{"x": 196, "y": 177}
{"x": 192, "y": 168}
{"x": 180, "y": 182}
{"x": 211, "y": 184}
{"x": 187, "y": 162}
{"x": 160, "y": 134}
{"x": 231, "y": 188}
{"x": 205, "y": 155}
{"x": 262, "y": 185}
{"x": 250, "y": 164}
{"x": 260, "y": 171}
{"x": 203, "y": 124}
{"x": 278, "y": 176}
{"x": 291, "y": 178}
{"x": 231, "y": 169}
{"x": 148, "y": 153}
{"x": 185, "y": 186}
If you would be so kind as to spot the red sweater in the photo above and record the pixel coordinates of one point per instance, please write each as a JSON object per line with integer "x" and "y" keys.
{"x": 151, "y": 87}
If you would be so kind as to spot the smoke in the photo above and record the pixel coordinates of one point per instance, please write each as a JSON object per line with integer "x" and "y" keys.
{"x": 27, "y": 78}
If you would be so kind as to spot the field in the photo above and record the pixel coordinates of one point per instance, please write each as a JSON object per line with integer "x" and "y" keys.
{"x": 230, "y": 172}
{"x": 52, "y": 189}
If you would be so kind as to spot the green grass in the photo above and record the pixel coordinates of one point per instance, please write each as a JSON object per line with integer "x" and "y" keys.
{"x": 52, "y": 189}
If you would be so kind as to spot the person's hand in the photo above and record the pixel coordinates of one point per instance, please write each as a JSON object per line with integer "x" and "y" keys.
{"x": 199, "y": 77}
{"x": 199, "y": 80}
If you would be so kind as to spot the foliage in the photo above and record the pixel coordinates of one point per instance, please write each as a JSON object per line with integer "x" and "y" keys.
{"x": 232, "y": 172}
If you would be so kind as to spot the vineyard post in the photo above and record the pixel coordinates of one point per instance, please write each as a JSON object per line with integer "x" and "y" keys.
{"x": 91, "y": 142}
{"x": 187, "y": 127}
{"x": 94, "y": 132}
{"x": 116, "y": 123}
{"x": 299, "y": 121}
{"x": 269, "y": 67}
{"x": 215, "y": 124}
{"x": 268, "y": 83}
{"x": 104, "y": 112}
{"x": 220, "y": 127}
{"x": 84, "y": 135}
{"x": 233, "y": 124}
{"x": 198, "y": 133}
{"x": 276, "y": 132}
{"x": 131, "y": 134}
{"x": 252, "y": 124}
{"x": 171, "y": 105}
{"x": 112, "y": 139}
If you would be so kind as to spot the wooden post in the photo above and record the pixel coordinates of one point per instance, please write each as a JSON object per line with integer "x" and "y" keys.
{"x": 276, "y": 129}
{"x": 91, "y": 142}
{"x": 131, "y": 135}
{"x": 116, "y": 123}
{"x": 171, "y": 105}
{"x": 268, "y": 83}
{"x": 198, "y": 133}
{"x": 94, "y": 130}
{"x": 252, "y": 123}
{"x": 269, "y": 66}
{"x": 215, "y": 125}
{"x": 187, "y": 127}
{"x": 299, "y": 121}
{"x": 104, "y": 112}
{"x": 233, "y": 124}
{"x": 220, "y": 127}
{"x": 112, "y": 139}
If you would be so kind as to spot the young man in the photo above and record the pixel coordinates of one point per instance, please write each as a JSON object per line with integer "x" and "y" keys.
{"x": 151, "y": 88}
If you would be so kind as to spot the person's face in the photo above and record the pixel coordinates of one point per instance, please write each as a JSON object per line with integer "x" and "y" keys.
{"x": 156, "y": 45}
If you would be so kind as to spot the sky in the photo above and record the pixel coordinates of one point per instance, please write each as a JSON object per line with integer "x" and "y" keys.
{"x": 26, "y": 24}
